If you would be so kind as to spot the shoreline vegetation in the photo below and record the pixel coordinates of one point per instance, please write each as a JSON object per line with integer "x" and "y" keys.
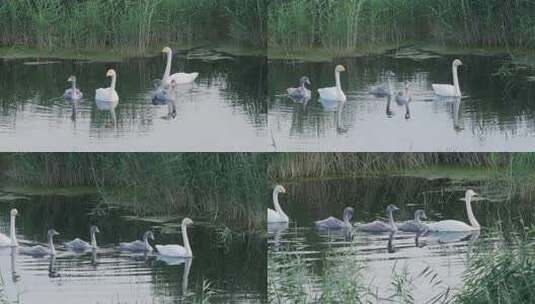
{"x": 128, "y": 28}
{"x": 327, "y": 29}
{"x": 225, "y": 188}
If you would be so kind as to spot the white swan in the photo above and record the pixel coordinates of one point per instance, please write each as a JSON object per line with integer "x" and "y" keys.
{"x": 6, "y": 241}
{"x": 277, "y": 215}
{"x": 178, "y": 251}
{"x": 81, "y": 245}
{"x": 448, "y": 90}
{"x": 73, "y": 93}
{"x": 458, "y": 226}
{"x": 334, "y": 93}
{"x": 108, "y": 94}
{"x": 42, "y": 250}
{"x": 179, "y": 78}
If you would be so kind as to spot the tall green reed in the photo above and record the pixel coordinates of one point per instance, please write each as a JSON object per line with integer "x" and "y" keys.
{"x": 132, "y": 26}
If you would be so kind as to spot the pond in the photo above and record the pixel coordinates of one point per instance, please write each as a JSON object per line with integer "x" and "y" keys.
{"x": 224, "y": 269}
{"x": 432, "y": 264}
{"x": 223, "y": 110}
{"x": 495, "y": 113}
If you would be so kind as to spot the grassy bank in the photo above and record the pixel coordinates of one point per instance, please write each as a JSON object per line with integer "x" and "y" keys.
{"x": 340, "y": 26}
{"x": 229, "y": 187}
{"x": 131, "y": 26}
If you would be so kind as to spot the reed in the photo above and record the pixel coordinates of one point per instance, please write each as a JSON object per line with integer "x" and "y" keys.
{"x": 349, "y": 24}
{"x": 225, "y": 187}
{"x": 130, "y": 25}
{"x": 503, "y": 274}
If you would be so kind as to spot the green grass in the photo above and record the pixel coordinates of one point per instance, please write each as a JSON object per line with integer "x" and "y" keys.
{"x": 338, "y": 25}
{"x": 227, "y": 187}
{"x": 504, "y": 274}
{"x": 130, "y": 26}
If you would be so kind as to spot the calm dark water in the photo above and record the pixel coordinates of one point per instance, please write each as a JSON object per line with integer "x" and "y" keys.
{"x": 224, "y": 110}
{"x": 235, "y": 269}
{"x": 496, "y": 113}
{"x": 443, "y": 254}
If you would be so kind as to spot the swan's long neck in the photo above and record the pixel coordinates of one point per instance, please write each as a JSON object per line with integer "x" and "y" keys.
{"x": 93, "y": 240}
{"x": 471, "y": 217}
{"x": 389, "y": 83}
{"x": 13, "y": 232}
{"x": 391, "y": 220}
{"x": 337, "y": 78}
{"x": 346, "y": 219}
{"x": 456, "y": 81}
{"x": 186, "y": 240}
{"x": 73, "y": 85}
{"x": 278, "y": 206}
{"x": 51, "y": 245}
{"x": 167, "y": 71}
{"x": 113, "y": 81}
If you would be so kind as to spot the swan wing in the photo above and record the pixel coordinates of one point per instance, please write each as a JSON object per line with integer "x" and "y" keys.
{"x": 329, "y": 223}
{"x": 77, "y": 244}
{"x": 4, "y": 240}
{"x": 376, "y": 226}
{"x": 183, "y": 78}
{"x": 35, "y": 250}
{"x": 449, "y": 225}
{"x": 412, "y": 226}
{"x": 134, "y": 246}
{"x": 332, "y": 93}
{"x": 274, "y": 217}
{"x": 172, "y": 250}
{"x": 379, "y": 90}
{"x": 106, "y": 94}
{"x": 444, "y": 90}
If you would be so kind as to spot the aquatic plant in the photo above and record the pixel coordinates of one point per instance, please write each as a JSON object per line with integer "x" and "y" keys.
{"x": 226, "y": 187}
{"x": 350, "y": 24}
{"x": 130, "y": 25}
{"x": 501, "y": 274}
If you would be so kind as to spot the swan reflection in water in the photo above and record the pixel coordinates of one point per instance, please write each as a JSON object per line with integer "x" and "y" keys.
{"x": 336, "y": 107}
{"x": 110, "y": 107}
{"x": 174, "y": 261}
{"x": 52, "y": 272}
{"x": 15, "y": 277}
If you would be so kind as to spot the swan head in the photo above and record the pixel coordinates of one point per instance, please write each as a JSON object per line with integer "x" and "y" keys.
{"x": 52, "y": 232}
{"x": 390, "y": 74}
{"x": 187, "y": 221}
{"x": 457, "y": 62}
{"x": 305, "y": 79}
{"x": 71, "y": 78}
{"x": 348, "y": 213}
{"x": 391, "y": 208}
{"x": 470, "y": 193}
{"x": 340, "y": 68}
{"x": 110, "y": 73}
{"x": 279, "y": 189}
{"x": 420, "y": 214}
{"x": 148, "y": 235}
{"x": 94, "y": 229}
{"x": 14, "y": 212}
{"x": 166, "y": 50}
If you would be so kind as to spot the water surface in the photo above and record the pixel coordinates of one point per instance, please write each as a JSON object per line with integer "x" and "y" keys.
{"x": 231, "y": 269}
{"x": 496, "y": 112}
{"x": 441, "y": 257}
{"x": 224, "y": 110}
